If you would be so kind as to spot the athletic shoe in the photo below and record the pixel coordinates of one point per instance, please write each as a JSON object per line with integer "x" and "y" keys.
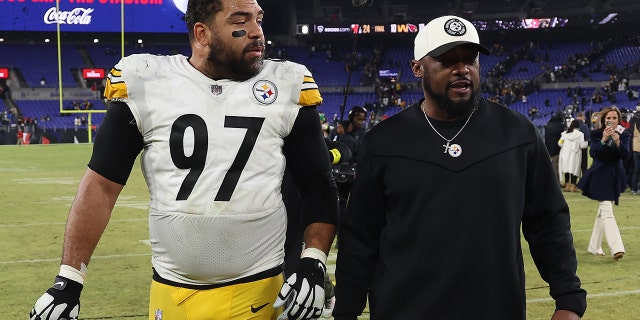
{"x": 328, "y": 307}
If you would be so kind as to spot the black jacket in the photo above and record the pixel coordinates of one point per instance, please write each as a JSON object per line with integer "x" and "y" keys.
{"x": 430, "y": 236}
{"x": 552, "y": 132}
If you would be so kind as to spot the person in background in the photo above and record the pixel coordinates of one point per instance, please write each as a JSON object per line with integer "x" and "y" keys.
{"x": 326, "y": 128}
{"x": 216, "y": 131}
{"x": 595, "y": 120}
{"x": 552, "y": 132}
{"x": 351, "y": 132}
{"x": 584, "y": 128}
{"x": 433, "y": 224}
{"x": 634, "y": 126}
{"x": 354, "y": 130}
{"x": 571, "y": 145}
{"x": 19, "y": 136}
{"x": 606, "y": 180}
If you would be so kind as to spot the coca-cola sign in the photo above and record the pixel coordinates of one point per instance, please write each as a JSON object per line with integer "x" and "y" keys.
{"x": 156, "y": 16}
{"x": 74, "y": 16}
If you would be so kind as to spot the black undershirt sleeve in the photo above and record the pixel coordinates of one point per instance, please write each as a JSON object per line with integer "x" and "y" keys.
{"x": 308, "y": 163}
{"x": 117, "y": 144}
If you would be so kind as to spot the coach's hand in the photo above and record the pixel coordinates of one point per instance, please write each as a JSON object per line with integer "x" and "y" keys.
{"x": 60, "y": 302}
{"x": 305, "y": 291}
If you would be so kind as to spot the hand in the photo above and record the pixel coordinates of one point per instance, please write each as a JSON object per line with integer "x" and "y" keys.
{"x": 565, "y": 315}
{"x": 306, "y": 290}
{"x": 609, "y": 133}
{"x": 60, "y": 302}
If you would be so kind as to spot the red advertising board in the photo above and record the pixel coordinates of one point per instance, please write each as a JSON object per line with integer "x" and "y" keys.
{"x": 93, "y": 74}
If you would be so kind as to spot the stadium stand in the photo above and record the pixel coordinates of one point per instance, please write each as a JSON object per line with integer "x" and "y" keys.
{"x": 525, "y": 72}
{"x": 37, "y": 61}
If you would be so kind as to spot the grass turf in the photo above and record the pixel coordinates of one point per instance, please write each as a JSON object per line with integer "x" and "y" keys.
{"x": 39, "y": 183}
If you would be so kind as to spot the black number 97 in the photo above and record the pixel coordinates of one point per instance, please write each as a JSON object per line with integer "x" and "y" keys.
{"x": 196, "y": 161}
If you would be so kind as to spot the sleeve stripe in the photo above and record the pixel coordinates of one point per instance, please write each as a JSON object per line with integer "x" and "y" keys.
{"x": 116, "y": 72}
{"x": 309, "y": 92}
{"x": 310, "y": 97}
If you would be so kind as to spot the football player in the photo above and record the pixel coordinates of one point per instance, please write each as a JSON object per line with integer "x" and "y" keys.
{"x": 216, "y": 131}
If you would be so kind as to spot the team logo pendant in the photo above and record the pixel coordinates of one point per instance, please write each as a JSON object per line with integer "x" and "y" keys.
{"x": 216, "y": 89}
{"x": 265, "y": 91}
{"x": 455, "y": 150}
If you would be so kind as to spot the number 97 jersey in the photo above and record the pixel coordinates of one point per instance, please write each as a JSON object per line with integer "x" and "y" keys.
{"x": 213, "y": 162}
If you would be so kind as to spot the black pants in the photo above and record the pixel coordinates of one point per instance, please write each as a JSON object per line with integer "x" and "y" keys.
{"x": 569, "y": 178}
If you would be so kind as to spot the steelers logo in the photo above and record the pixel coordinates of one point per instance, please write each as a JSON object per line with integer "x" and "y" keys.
{"x": 455, "y": 150}
{"x": 455, "y": 27}
{"x": 265, "y": 91}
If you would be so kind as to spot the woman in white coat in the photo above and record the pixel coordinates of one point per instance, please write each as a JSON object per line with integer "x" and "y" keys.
{"x": 571, "y": 144}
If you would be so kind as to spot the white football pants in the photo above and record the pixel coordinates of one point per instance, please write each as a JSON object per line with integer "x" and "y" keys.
{"x": 605, "y": 225}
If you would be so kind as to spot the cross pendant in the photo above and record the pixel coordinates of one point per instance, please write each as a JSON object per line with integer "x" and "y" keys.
{"x": 446, "y": 147}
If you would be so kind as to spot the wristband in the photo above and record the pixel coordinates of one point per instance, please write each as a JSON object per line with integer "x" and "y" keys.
{"x": 72, "y": 273}
{"x": 314, "y": 253}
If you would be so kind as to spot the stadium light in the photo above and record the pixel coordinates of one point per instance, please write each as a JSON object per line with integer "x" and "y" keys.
{"x": 96, "y": 40}
{"x": 611, "y": 17}
{"x": 302, "y": 29}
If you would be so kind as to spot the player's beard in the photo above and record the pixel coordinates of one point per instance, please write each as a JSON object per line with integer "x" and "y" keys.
{"x": 450, "y": 107}
{"x": 225, "y": 62}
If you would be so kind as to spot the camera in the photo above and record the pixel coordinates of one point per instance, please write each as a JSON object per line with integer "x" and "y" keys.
{"x": 344, "y": 172}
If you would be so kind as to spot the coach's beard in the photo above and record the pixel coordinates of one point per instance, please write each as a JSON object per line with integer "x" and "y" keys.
{"x": 453, "y": 109}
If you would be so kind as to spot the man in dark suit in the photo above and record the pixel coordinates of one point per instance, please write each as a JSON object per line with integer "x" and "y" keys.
{"x": 584, "y": 128}
{"x": 552, "y": 132}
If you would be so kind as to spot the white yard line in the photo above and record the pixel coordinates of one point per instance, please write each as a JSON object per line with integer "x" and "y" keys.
{"x": 93, "y": 257}
{"x": 592, "y": 295}
{"x": 10, "y": 225}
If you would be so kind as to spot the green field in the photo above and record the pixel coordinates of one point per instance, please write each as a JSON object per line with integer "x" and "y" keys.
{"x": 38, "y": 184}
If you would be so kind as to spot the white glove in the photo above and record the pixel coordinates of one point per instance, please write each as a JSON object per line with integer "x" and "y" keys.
{"x": 60, "y": 302}
{"x": 305, "y": 290}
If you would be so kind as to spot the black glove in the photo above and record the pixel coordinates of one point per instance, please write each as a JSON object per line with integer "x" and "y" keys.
{"x": 306, "y": 289}
{"x": 60, "y": 302}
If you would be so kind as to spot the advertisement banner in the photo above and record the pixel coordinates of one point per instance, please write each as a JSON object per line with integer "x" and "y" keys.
{"x": 164, "y": 16}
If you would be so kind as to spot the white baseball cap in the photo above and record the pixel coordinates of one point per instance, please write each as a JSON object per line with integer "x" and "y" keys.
{"x": 444, "y": 33}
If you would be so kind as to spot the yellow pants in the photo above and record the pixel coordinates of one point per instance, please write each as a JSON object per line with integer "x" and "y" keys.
{"x": 251, "y": 300}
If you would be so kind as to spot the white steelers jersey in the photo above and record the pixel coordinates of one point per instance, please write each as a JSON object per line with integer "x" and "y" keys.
{"x": 213, "y": 162}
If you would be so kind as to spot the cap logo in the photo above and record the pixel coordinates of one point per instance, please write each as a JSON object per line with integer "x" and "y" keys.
{"x": 455, "y": 27}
